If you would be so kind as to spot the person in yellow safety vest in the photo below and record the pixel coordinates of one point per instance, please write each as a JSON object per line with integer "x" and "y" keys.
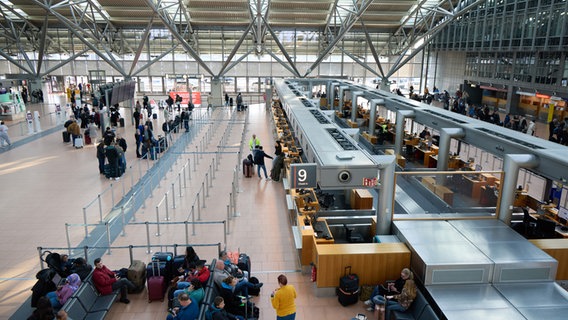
{"x": 254, "y": 142}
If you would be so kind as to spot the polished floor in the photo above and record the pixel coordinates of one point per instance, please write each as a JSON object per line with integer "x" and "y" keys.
{"x": 50, "y": 189}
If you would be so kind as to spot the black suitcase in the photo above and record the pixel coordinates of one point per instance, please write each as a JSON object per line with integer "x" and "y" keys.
{"x": 166, "y": 263}
{"x": 66, "y": 137}
{"x": 244, "y": 262}
{"x": 121, "y": 121}
{"x": 254, "y": 291}
{"x": 348, "y": 291}
{"x": 155, "y": 116}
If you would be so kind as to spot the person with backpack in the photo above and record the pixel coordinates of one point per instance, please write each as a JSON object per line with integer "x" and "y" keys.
{"x": 217, "y": 311}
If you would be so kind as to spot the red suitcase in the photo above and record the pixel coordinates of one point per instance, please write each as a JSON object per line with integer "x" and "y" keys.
{"x": 156, "y": 284}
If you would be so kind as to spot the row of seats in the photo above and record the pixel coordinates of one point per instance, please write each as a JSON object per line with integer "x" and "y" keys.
{"x": 210, "y": 292}
{"x": 420, "y": 309}
{"x": 87, "y": 304}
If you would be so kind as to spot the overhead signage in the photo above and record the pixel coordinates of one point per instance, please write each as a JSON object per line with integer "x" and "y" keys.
{"x": 303, "y": 175}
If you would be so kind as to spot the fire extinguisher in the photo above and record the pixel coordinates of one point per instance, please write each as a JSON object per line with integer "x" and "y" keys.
{"x": 314, "y": 272}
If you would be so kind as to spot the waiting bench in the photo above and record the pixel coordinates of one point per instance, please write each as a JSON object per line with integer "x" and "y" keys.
{"x": 87, "y": 304}
{"x": 418, "y": 310}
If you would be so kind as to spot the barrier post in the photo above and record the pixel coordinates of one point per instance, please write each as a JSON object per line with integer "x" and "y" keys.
{"x": 85, "y": 221}
{"x": 228, "y": 219}
{"x": 108, "y": 236}
{"x": 198, "y": 208}
{"x": 67, "y": 236}
{"x": 123, "y": 233}
{"x": 167, "y": 208}
{"x": 157, "y": 221}
{"x": 173, "y": 198}
{"x": 192, "y": 221}
{"x": 179, "y": 180}
{"x": 100, "y": 209}
{"x": 203, "y": 188}
{"x": 148, "y": 237}
{"x": 207, "y": 184}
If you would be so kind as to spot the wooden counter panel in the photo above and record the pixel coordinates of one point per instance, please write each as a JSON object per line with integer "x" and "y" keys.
{"x": 372, "y": 262}
{"x": 558, "y": 249}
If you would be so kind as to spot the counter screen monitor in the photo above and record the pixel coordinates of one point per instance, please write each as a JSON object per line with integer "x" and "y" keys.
{"x": 563, "y": 213}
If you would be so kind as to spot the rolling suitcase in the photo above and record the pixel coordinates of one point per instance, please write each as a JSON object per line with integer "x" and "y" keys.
{"x": 166, "y": 262}
{"x": 348, "y": 291}
{"x": 137, "y": 275}
{"x": 155, "y": 116}
{"x": 79, "y": 142}
{"x": 247, "y": 168}
{"x": 66, "y": 137}
{"x": 244, "y": 262}
{"x": 121, "y": 121}
{"x": 156, "y": 283}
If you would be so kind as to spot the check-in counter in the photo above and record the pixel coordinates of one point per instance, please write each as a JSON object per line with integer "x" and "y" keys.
{"x": 558, "y": 249}
{"x": 372, "y": 262}
{"x": 361, "y": 199}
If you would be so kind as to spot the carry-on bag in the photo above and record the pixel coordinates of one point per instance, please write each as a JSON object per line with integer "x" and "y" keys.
{"x": 348, "y": 291}
{"x": 137, "y": 275}
{"x": 66, "y": 137}
{"x": 254, "y": 291}
{"x": 166, "y": 264}
{"x": 244, "y": 262}
{"x": 156, "y": 283}
{"x": 247, "y": 168}
{"x": 155, "y": 116}
{"x": 79, "y": 142}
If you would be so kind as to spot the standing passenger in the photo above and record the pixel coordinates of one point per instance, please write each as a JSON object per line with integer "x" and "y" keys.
{"x": 4, "y": 134}
{"x": 283, "y": 300}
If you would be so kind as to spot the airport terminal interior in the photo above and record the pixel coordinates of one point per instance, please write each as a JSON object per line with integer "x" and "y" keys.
{"x": 428, "y": 135}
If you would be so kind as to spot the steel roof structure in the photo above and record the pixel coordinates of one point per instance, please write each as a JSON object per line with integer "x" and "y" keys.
{"x": 364, "y": 30}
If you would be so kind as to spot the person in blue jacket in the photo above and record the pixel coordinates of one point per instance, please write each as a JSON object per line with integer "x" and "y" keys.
{"x": 189, "y": 309}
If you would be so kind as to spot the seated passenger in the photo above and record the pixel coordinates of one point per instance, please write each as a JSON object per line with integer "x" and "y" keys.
{"x": 81, "y": 268}
{"x": 199, "y": 271}
{"x": 190, "y": 257}
{"x": 241, "y": 287}
{"x": 392, "y": 288}
{"x": 398, "y": 302}
{"x": 233, "y": 303}
{"x": 194, "y": 290}
{"x": 64, "y": 292}
{"x": 188, "y": 310}
{"x": 107, "y": 281}
{"x": 43, "y": 311}
{"x": 217, "y": 311}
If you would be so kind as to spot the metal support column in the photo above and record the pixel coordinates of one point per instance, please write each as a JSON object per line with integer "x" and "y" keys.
{"x": 511, "y": 165}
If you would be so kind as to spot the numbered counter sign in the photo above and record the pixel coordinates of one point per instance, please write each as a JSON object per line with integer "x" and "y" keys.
{"x": 303, "y": 175}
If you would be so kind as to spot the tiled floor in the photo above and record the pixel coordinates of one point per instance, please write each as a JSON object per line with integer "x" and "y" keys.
{"x": 46, "y": 184}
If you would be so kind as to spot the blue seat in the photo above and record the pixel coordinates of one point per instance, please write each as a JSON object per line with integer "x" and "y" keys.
{"x": 94, "y": 302}
{"x": 75, "y": 309}
{"x": 428, "y": 314}
{"x": 414, "y": 311}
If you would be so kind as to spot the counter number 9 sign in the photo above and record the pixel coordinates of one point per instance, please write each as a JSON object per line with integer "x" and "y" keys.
{"x": 303, "y": 175}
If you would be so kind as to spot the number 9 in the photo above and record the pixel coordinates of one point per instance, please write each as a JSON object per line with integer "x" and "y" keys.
{"x": 302, "y": 175}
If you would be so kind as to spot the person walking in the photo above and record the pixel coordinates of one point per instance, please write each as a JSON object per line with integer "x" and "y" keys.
{"x": 226, "y": 99}
{"x": 283, "y": 300}
{"x": 4, "y": 134}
